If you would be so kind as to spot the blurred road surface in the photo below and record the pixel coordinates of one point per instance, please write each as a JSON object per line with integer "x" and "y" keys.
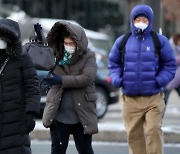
{"x": 43, "y": 147}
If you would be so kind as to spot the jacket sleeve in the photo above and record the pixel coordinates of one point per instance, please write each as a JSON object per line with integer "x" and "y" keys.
{"x": 178, "y": 60}
{"x": 115, "y": 65}
{"x": 86, "y": 78}
{"x": 167, "y": 63}
{"x": 31, "y": 84}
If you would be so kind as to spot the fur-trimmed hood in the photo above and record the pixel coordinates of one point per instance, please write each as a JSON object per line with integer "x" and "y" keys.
{"x": 56, "y": 37}
{"x": 10, "y": 31}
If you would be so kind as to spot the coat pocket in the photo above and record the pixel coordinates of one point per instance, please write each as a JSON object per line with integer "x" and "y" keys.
{"x": 90, "y": 97}
{"x": 51, "y": 107}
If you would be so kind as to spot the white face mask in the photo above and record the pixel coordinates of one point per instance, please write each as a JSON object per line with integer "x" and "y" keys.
{"x": 141, "y": 25}
{"x": 70, "y": 49}
{"x": 3, "y": 44}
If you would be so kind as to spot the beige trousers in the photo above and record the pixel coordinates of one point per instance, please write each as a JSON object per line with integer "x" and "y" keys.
{"x": 142, "y": 116}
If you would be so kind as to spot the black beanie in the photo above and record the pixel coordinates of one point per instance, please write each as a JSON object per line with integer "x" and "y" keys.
{"x": 141, "y": 15}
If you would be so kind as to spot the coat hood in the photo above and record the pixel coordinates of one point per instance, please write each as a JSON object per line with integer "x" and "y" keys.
{"x": 145, "y": 10}
{"x": 10, "y": 31}
{"x": 56, "y": 36}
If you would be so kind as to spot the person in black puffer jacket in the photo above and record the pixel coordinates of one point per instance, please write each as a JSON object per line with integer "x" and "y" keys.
{"x": 19, "y": 91}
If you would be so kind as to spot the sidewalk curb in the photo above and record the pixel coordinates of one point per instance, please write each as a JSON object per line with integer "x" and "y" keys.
{"x": 107, "y": 136}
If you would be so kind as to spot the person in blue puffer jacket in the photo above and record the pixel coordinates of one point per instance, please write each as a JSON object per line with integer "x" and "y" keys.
{"x": 142, "y": 79}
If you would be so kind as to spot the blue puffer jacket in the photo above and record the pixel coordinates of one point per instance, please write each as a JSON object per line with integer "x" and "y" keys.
{"x": 144, "y": 73}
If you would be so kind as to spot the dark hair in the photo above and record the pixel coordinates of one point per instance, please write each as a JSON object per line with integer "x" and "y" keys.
{"x": 141, "y": 15}
{"x": 176, "y": 38}
{"x": 56, "y": 39}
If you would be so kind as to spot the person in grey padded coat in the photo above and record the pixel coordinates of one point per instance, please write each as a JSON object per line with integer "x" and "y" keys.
{"x": 19, "y": 92}
{"x": 71, "y": 100}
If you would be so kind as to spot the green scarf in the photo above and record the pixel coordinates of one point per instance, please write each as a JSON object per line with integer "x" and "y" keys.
{"x": 66, "y": 59}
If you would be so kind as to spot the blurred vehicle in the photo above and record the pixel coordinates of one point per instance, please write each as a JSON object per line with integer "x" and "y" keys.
{"x": 106, "y": 93}
{"x": 15, "y": 13}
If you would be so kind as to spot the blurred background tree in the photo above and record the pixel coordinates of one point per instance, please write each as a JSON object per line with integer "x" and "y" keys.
{"x": 109, "y": 16}
{"x": 171, "y": 14}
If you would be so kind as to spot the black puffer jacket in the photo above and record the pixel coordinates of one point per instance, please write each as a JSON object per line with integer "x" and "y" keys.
{"x": 19, "y": 93}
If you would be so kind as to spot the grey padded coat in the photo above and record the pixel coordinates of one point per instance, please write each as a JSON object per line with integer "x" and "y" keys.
{"x": 78, "y": 77}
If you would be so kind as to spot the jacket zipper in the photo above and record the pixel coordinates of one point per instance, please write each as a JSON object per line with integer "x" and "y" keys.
{"x": 139, "y": 57}
{"x": 1, "y": 102}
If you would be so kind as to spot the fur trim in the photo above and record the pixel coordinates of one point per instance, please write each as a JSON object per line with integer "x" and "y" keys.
{"x": 12, "y": 36}
{"x": 62, "y": 29}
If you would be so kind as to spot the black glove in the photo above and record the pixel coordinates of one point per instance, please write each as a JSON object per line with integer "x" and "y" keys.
{"x": 53, "y": 126}
{"x": 38, "y": 30}
{"x": 53, "y": 79}
{"x": 30, "y": 122}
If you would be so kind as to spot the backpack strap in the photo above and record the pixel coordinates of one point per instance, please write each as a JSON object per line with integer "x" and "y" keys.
{"x": 157, "y": 43}
{"x": 122, "y": 45}
{"x": 122, "y": 48}
{"x": 123, "y": 42}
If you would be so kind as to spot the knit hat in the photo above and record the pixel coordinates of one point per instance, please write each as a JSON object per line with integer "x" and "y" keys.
{"x": 141, "y": 15}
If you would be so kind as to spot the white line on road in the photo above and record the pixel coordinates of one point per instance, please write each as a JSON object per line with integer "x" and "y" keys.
{"x": 95, "y": 143}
